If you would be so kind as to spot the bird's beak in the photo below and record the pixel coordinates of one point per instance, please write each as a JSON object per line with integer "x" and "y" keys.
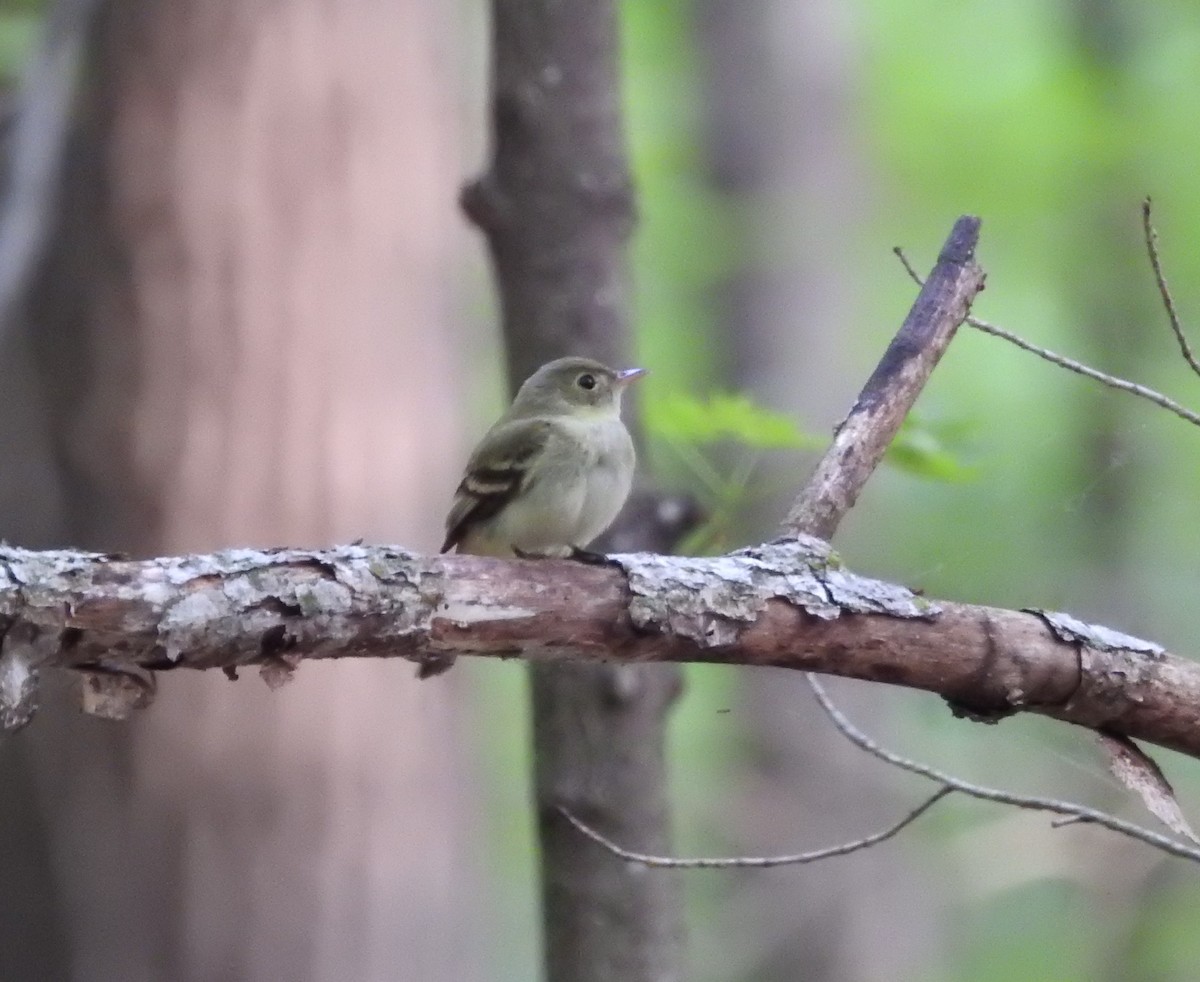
{"x": 627, "y": 375}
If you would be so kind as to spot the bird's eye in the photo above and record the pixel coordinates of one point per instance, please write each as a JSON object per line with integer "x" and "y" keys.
{"x": 586, "y": 381}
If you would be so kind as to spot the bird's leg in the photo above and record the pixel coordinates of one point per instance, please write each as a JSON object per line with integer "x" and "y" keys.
{"x": 585, "y": 556}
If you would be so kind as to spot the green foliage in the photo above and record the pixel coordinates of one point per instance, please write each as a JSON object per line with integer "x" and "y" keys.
{"x": 1084, "y": 498}
{"x": 931, "y": 449}
{"x": 1038, "y": 930}
{"x": 684, "y": 243}
{"x": 1163, "y": 940}
{"x": 19, "y": 25}
{"x": 720, "y": 441}
{"x": 688, "y": 419}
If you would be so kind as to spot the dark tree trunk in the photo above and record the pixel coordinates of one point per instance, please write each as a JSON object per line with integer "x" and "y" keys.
{"x": 557, "y": 208}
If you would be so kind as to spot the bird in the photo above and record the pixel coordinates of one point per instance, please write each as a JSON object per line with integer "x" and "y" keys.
{"x": 550, "y": 475}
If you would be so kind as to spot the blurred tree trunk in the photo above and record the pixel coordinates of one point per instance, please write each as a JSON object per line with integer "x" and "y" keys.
{"x": 239, "y": 338}
{"x": 556, "y": 205}
{"x": 1109, "y": 288}
{"x": 1107, "y": 307}
{"x": 780, "y": 86}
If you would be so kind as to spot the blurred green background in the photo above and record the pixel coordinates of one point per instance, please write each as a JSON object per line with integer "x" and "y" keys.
{"x": 1051, "y": 122}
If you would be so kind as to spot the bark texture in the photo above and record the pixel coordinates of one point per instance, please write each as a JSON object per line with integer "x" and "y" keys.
{"x": 556, "y": 205}
{"x": 242, "y": 308}
{"x": 789, "y": 604}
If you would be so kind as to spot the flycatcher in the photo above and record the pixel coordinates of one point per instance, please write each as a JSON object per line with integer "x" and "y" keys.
{"x": 551, "y": 474}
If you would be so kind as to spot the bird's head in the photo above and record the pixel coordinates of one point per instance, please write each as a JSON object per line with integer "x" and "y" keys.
{"x": 574, "y": 386}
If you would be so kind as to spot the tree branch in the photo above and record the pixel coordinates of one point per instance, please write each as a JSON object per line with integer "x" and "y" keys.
{"x": 864, "y": 436}
{"x": 787, "y": 603}
{"x": 948, "y": 782}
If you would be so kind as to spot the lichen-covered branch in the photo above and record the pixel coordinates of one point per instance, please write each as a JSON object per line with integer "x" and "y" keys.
{"x": 786, "y": 603}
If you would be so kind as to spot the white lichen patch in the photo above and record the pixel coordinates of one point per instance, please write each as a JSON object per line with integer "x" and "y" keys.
{"x": 711, "y": 600}
{"x": 36, "y": 566}
{"x": 155, "y": 592}
{"x": 260, "y": 591}
{"x": 324, "y": 597}
{"x": 188, "y": 621}
{"x": 862, "y": 595}
{"x": 184, "y": 569}
{"x": 1072, "y": 630}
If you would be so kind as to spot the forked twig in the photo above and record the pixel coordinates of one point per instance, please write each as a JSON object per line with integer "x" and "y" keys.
{"x": 1112, "y": 381}
{"x": 1071, "y": 812}
{"x": 1079, "y": 813}
{"x": 819, "y": 511}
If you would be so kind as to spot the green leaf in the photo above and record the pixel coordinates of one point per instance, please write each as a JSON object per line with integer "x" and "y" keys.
{"x": 687, "y": 419}
{"x": 920, "y": 449}
{"x": 18, "y": 32}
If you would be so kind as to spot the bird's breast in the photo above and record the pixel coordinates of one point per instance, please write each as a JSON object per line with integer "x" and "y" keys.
{"x": 571, "y": 501}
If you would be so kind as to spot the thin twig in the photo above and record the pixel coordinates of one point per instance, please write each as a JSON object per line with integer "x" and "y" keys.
{"x": 1078, "y": 812}
{"x": 1151, "y": 234}
{"x": 757, "y": 862}
{"x": 1112, "y": 381}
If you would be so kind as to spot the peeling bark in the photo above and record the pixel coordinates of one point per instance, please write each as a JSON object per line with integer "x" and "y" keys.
{"x": 788, "y": 603}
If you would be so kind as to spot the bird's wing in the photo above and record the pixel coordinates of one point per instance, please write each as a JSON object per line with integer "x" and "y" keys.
{"x": 488, "y": 485}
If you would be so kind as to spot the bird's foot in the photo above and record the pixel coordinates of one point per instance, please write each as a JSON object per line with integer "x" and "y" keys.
{"x": 589, "y": 558}
{"x": 574, "y": 553}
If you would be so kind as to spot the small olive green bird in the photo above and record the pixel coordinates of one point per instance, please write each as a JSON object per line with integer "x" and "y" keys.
{"x": 551, "y": 474}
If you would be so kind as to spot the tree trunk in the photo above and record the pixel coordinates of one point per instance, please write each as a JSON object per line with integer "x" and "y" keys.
{"x": 556, "y": 206}
{"x": 241, "y": 335}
